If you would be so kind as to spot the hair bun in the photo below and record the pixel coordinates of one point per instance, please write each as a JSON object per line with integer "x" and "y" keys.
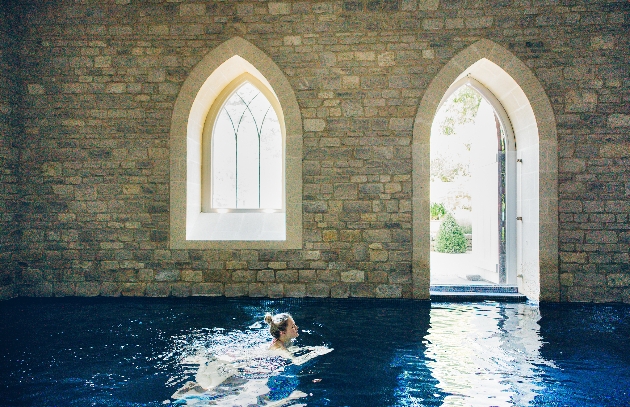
{"x": 268, "y": 318}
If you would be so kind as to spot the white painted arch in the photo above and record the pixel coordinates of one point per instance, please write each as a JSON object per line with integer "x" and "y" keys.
{"x": 528, "y": 108}
{"x": 205, "y": 83}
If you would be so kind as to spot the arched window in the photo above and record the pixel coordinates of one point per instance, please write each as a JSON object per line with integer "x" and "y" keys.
{"x": 243, "y": 150}
{"x": 236, "y": 154}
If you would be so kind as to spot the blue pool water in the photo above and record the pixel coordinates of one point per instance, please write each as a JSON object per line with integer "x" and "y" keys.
{"x": 141, "y": 352}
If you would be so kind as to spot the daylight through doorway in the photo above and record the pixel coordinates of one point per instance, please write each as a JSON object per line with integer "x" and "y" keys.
{"x": 468, "y": 192}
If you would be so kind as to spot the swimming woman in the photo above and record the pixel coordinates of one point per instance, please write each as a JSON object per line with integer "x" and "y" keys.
{"x": 283, "y": 330}
{"x": 265, "y": 377}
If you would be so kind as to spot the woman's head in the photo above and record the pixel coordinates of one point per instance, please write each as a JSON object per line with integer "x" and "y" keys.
{"x": 282, "y": 326}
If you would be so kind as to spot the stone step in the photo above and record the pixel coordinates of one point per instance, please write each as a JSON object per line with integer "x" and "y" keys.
{"x": 466, "y": 293}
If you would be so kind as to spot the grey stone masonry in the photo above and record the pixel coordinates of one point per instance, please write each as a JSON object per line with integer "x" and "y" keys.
{"x": 85, "y": 191}
{"x": 9, "y": 148}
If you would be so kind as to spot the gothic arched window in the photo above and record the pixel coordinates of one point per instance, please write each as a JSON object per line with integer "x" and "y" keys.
{"x": 246, "y": 157}
{"x": 236, "y": 155}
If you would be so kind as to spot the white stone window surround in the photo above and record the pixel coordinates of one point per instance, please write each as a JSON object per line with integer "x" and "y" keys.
{"x": 190, "y": 227}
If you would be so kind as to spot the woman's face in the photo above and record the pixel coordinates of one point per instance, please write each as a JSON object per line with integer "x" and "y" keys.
{"x": 292, "y": 330}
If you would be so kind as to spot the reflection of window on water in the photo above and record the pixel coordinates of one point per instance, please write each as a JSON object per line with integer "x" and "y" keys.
{"x": 247, "y": 153}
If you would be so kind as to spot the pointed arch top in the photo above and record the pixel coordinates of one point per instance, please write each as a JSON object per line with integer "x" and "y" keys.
{"x": 216, "y": 70}
{"x": 525, "y": 101}
{"x": 225, "y": 63}
{"x": 506, "y": 76}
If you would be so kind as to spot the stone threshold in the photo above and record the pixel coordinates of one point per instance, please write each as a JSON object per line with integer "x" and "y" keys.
{"x": 474, "y": 293}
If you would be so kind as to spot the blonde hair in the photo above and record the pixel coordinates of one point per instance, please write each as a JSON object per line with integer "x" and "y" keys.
{"x": 277, "y": 323}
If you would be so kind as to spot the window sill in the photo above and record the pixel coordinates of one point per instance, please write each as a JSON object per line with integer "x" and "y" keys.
{"x": 247, "y": 226}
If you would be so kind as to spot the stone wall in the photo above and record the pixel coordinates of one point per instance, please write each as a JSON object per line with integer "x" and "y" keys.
{"x": 9, "y": 152}
{"x": 101, "y": 78}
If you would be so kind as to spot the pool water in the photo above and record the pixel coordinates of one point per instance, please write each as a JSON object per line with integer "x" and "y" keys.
{"x": 141, "y": 352}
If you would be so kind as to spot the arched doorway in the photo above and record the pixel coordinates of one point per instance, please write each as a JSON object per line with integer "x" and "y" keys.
{"x": 473, "y": 189}
{"x": 531, "y": 116}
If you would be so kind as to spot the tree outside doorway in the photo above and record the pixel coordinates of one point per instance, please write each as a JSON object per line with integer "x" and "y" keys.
{"x": 464, "y": 191}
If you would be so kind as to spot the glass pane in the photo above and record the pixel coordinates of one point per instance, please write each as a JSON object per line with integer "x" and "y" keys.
{"x": 271, "y": 163}
{"x": 247, "y": 153}
{"x": 223, "y": 163}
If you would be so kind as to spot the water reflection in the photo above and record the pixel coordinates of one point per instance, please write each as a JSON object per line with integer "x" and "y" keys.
{"x": 484, "y": 355}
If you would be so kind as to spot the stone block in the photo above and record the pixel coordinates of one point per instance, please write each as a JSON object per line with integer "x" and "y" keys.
{"x": 400, "y": 277}
{"x": 601, "y": 236}
{"x": 619, "y": 280}
{"x": 619, "y": 120}
{"x": 318, "y": 290}
{"x": 581, "y": 101}
{"x": 292, "y": 40}
{"x": 603, "y": 42}
{"x": 40, "y": 289}
{"x": 428, "y": 54}
{"x": 167, "y": 275}
{"x": 295, "y": 290}
{"x": 278, "y": 265}
{"x": 617, "y": 150}
{"x": 216, "y": 276}
{"x": 158, "y": 289}
{"x": 340, "y": 291}
{"x": 276, "y": 8}
{"x": 353, "y": 276}
{"x": 329, "y": 235}
{"x": 388, "y": 291}
{"x": 258, "y": 290}
{"x": 236, "y": 289}
{"x": 266, "y": 275}
{"x": 350, "y": 236}
{"x": 345, "y": 191}
{"x": 314, "y": 124}
{"x": 315, "y": 206}
{"x": 589, "y": 280}
{"x": 328, "y": 275}
{"x": 192, "y": 275}
{"x": 432, "y": 24}
{"x": 287, "y": 276}
{"x": 364, "y": 55}
{"x": 193, "y": 9}
{"x": 362, "y": 290}
{"x": 428, "y": 4}
{"x": 181, "y": 289}
{"x": 207, "y": 289}
{"x": 573, "y": 257}
{"x": 132, "y": 289}
{"x": 64, "y": 289}
{"x": 234, "y": 265}
{"x": 386, "y": 59}
{"x": 307, "y": 276}
{"x": 379, "y": 255}
{"x": 566, "y": 279}
{"x": 479, "y": 22}
{"x": 87, "y": 288}
{"x": 244, "y": 276}
{"x": 311, "y": 255}
{"x": 276, "y": 290}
